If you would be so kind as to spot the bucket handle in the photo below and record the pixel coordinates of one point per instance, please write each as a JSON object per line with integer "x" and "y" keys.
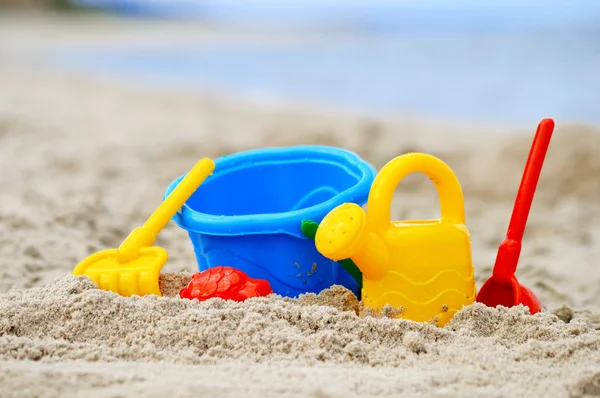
{"x": 386, "y": 181}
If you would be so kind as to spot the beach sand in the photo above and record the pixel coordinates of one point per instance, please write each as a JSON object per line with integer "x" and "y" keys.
{"x": 85, "y": 160}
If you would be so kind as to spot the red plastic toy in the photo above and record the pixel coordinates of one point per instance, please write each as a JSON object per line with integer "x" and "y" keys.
{"x": 226, "y": 283}
{"x": 503, "y": 288}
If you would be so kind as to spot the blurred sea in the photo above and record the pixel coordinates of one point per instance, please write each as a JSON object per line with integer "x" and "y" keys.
{"x": 496, "y": 61}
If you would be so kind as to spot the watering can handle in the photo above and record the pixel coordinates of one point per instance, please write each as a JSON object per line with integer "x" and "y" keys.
{"x": 446, "y": 184}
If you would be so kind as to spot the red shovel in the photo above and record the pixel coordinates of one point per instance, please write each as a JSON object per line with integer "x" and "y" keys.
{"x": 503, "y": 288}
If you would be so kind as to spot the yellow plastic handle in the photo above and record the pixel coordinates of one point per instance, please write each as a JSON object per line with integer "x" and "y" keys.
{"x": 177, "y": 198}
{"x": 146, "y": 235}
{"x": 446, "y": 184}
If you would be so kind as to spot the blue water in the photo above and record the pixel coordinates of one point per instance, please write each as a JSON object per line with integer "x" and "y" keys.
{"x": 373, "y": 14}
{"x": 485, "y": 68}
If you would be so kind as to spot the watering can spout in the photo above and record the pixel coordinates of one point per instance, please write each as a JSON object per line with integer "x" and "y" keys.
{"x": 372, "y": 257}
{"x": 344, "y": 233}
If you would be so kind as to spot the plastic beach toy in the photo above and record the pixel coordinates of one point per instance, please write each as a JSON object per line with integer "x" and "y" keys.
{"x": 309, "y": 229}
{"x": 248, "y": 214}
{"x": 503, "y": 288}
{"x": 135, "y": 266}
{"x": 226, "y": 283}
{"x": 423, "y": 266}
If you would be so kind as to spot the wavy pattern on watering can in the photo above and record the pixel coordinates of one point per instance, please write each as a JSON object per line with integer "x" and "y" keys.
{"x": 435, "y": 300}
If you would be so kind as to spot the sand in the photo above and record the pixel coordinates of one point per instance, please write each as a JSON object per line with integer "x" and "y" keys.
{"x": 86, "y": 159}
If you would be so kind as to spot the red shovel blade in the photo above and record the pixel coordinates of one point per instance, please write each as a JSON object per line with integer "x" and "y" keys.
{"x": 494, "y": 293}
{"x": 503, "y": 288}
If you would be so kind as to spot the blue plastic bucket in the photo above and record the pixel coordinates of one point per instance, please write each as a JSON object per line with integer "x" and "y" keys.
{"x": 247, "y": 215}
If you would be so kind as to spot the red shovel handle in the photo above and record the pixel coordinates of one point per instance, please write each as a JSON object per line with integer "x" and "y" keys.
{"x": 510, "y": 249}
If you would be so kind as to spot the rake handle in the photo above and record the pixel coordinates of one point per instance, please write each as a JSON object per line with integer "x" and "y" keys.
{"x": 177, "y": 198}
{"x": 146, "y": 234}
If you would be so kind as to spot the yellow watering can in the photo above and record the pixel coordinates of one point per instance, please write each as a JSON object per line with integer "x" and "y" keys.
{"x": 423, "y": 266}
